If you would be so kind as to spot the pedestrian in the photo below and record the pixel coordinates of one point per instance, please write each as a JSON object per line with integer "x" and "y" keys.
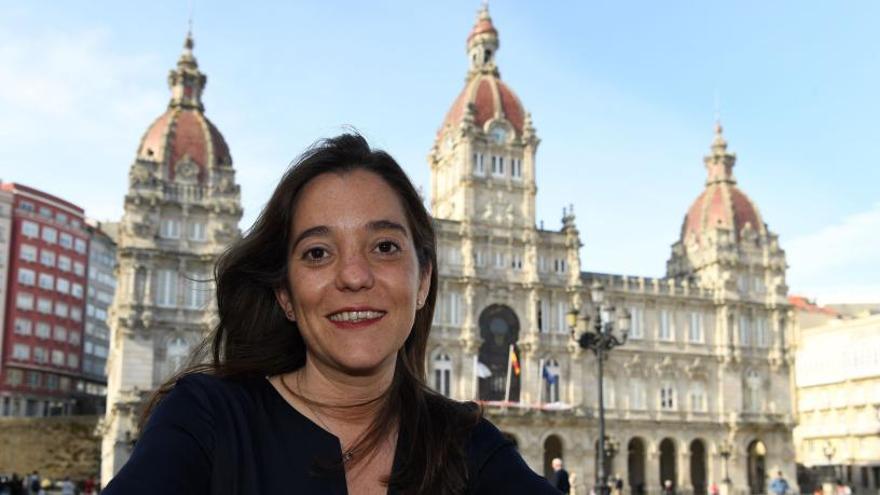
{"x": 779, "y": 486}
{"x": 559, "y": 477}
{"x": 34, "y": 483}
{"x": 67, "y": 487}
{"x": 618, "y": 484}
{"x": 668, "y": 488}
{"x": 89, "y": 486}
{"x": 314, "y": 375}
{"x": 713, "y": 489}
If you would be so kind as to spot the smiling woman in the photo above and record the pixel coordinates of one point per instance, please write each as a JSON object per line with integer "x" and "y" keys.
{"x": 314, "y": 379}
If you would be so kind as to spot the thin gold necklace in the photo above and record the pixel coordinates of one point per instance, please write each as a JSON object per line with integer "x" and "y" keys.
{"x": 347, "y": 455}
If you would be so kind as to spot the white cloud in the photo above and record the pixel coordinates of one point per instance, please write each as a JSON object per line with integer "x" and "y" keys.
{"x": 840, "y": 262}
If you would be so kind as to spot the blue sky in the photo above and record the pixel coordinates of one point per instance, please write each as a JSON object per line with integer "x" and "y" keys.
{"x": 623, "y": 94}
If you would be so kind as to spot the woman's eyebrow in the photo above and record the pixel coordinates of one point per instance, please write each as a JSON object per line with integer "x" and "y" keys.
{"x": 317, "y": 231}
{"x": 323, "y": 230}
{"x": 386, "y": 225}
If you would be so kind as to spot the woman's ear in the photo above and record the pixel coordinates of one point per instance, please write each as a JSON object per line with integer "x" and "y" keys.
{"x": 424, "y": 287}
{"x": 283, "y": 298}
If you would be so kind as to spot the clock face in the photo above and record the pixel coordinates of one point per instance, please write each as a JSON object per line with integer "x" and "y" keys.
{"x": 499, "y": 134}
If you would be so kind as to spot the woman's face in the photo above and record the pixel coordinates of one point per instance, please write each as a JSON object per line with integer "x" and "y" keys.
{"x": 353, "y": 275}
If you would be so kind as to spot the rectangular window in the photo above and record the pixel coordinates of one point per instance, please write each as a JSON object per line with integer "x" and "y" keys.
{"x": 74, "y": 337}
{"x": 636, "y": 322}
{"x": 64, "y": 263}
{"x": 479, "y": 257}
{"x": 47, "y": 281}
{"x": 516, "y": 263}
{"x": 761, "y": 335}
{"x": 695, "y": 333}
{"x": 26, "y": 206}
{"x": 27, "y": 276}
{"x": 62, "y": 285}
{"x": 30, "y": 229}
{"x": 45, "y": 212}
{"x": 44, "y": 305}
{"x": 499, "y": 259}
{"x": 166, "y": 288}
{"x": 561, "y": 310}
{"x": 50, "y": 235}
{"x": 169, "y": 228}
{"x": 47, "y": 258}
{"x": 198, "y": 291}
{"x": 28, "y": 253}
{"x": 23, "y": 326}
{"x": 76, "y": 314}
{"x": 43, "y": 330}
{"x": 79, "y": 245}
{"x": 24, "y": 301}
{"x": 197, "y": 231}
{"x": 61, "y": 309}
{"x": 41, "y": 355}
{"x": 14, "y": 377}
{"x": 76, "y": 290}
{"x": 516, "y": 168}
{"x": 72, "y": 361}
{"x": 34, "y": 379}
{"x": 61, "y": 218}
{"x": 57, "y": 357}
{"x": 745, "y": 331}
{"x": 479, "y": 166}
{"x": 65, "y": 240}
{"x": 52, "y": 382}
{"x": 21, "y": 352}
{"x": 79, "y": 268}
{"x": 60, "y": 333}
{"x": 664, "y": 332}
{"x": 638, "y": 395}
{"x": 667, "y": 398}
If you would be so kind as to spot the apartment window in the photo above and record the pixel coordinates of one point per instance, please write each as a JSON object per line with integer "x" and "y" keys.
{"x": 76, "y": 290}
{"x": 443, "y": 374}
{"x": 664, "y": 332}
{"x": 79, "y": 268}
{"x": 50, "y": 235}
{"x": 34, "y": 379}
{"x": 61, "y": 218}
{"x": 667, "y": 397}
{"x": 30, "y": 229}
{"x": 169, "y": 228}
{"x": 637, "y": 322}
{"x": 57, "y": 357}
{"x": 21, "y": 352}
{"x": 479, "y": 166}
{"x": 47, "y": 281}
{"x": 14, "y": 377}
{"x": 47, "y": 258}
{"x": 64, "y": 263}
{"x": 25, "y": 301}
{"x": 79, "y": 245}
{"x": 197, "y": 231}
{"x": 27, "y": 276}
{"x": 61, "y": 309}
{"x": 41, "y": 355}
{"x": 65, "y": 240}
{"x": 517, "y": 262}
{"x": 28, "y": 253}
{"x": 166, "y": 288}
{"x": 695, "y": 333}
{"x": 43, "y": 330}
{"x": 26, "y": 206}
{"x": 60, "y": 333}
{"x": 45, "y": 212}
{"x": 52, "y": 382}
{"x": 73, "y": 337}
{"x": 62, "y": 285}
{"x": 76, "y": 314}
{"x": 72, "y": 361}
{"x": 23, "y": 326}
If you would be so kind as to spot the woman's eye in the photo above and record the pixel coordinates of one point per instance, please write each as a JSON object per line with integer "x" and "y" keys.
{"x": 315, "y": 254}
{"x": 387, "y": 247}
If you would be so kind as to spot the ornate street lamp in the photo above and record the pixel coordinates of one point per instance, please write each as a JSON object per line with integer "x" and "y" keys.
{"x": 725, "y": 449}
{"x": 601, "y": 340}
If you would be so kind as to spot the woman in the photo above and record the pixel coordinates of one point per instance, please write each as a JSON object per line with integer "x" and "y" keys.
{"x": 316, "y": 377}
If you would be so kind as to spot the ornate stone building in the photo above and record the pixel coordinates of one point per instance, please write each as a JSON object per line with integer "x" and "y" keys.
{"x": 707, "y": 369}
{"x": 181, "y": 210}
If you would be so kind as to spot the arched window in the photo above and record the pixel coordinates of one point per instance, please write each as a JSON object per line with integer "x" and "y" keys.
{"x": 443, "y": 374}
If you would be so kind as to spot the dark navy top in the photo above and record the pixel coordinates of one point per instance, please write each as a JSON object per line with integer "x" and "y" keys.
{"x": 222, "y": 436}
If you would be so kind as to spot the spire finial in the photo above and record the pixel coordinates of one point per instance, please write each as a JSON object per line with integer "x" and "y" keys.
{"x": 719, "y": 163}
{"x": 186, "y": 81}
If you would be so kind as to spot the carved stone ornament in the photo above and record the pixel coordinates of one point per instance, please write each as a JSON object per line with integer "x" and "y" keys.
{"x": 140, "y": 174}
{"x": 186, "y": 169}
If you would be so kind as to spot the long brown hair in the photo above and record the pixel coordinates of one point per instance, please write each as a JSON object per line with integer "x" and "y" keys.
{"x": 254, "y": 338}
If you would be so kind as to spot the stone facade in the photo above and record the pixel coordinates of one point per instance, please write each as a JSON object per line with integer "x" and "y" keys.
{"x": 838, "y": 401}
{"x": 55, "y": 446}
{"x": 181, "y": 211}
{"x": 708, "y": 362}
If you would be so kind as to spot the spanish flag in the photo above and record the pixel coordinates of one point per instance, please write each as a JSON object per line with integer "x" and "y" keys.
{"x": 514, "y": 361}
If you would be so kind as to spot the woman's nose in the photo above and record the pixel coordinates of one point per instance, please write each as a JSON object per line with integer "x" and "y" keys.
{"x": 355, "y": 272}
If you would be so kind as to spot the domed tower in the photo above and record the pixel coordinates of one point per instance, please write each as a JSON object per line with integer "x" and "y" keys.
{"x": 483, "y": 159}
{"x": 724, "y": 242}
{"x": 181, "y": 211}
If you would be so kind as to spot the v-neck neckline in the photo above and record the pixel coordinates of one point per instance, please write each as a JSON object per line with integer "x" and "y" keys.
{"x": 298, "y": 415}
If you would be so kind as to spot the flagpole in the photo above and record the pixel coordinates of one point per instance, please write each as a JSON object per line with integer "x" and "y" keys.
{"x": 509, "y": 363}
{"x": 541, "y": 383}
{"x": 476, "y": 377}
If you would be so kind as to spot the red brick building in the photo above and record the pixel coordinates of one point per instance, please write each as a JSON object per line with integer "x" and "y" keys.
{"x": 42, "y": 342}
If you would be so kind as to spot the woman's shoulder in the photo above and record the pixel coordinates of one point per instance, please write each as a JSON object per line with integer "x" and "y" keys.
{"x": 206, "y": 393}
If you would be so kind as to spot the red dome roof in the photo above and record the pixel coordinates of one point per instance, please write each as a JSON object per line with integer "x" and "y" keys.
{"x": 721, "y": 205}
{"x": 183, "y": 132}
{"x": 491, "y": 98}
